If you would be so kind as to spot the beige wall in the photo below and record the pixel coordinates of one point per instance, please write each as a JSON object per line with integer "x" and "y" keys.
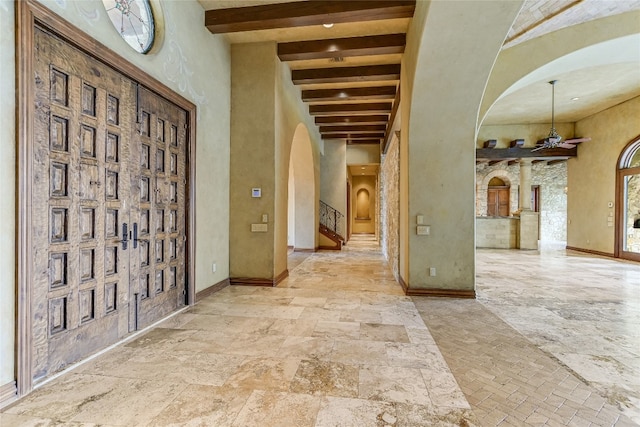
{"x": 253, "y": 68}
{"x": 445, "y": 195}
{"x": 531, "y": 133}
{"x": 178, "y": 63}
{"x": 268, "y": 115}
{"x": 362, "y": 154}
{"x": 333, "y": 180}
{"x": 304, "y": 195}
{"x": 592, "y": 176}
{"x": 294, "y": 122}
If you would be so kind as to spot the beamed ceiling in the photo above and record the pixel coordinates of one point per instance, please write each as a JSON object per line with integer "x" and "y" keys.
{"x": 349, "y": 74}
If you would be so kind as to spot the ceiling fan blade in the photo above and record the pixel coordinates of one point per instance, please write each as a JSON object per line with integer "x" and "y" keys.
{"x": 538, "y": 148}
{"x": 577, "y": 140}
{"x": 566, "y": 145}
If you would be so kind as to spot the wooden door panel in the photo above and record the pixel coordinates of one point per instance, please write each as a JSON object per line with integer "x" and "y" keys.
{"x": 159, "y": 213}
{"x": 503, "y": 202}
{"x": 79, "y": 291}
{"x": 492, "y": 197}
{"x": 498, "y": 201}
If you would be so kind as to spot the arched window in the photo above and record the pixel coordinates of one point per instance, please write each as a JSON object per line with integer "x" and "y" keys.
{"x": 628, "y": 206}
{"x": 497, "y": 197}
{"x": 362, "y": 204}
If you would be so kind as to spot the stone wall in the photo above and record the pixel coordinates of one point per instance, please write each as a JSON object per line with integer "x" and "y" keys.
{"x": 497, "y": 233}
{"x": 390, "y": 206}
{"x": 552, "y": 180}
{"x": 553, "y": 200}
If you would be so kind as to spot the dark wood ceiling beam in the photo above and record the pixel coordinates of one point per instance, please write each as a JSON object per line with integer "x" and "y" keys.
{"x": 518, "y": 153}
{"x": 363, "y": 108}
{"x": 490, "y": 143}
{"x": 553, "y": 162}
{"x": 353, "y": 93}
{"x": 368, "y": 73}
{"x": 386, "y": 44}
{"x": 353, "y": 136}
{"x": 353, "y": 128}
{"x": 304, "y": 13}
{"x": 363, "y": 141}
{"x": 377, "y": 119}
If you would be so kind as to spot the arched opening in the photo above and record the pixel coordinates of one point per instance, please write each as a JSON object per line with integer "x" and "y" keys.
{"x": 362, "y": 204}
{"x": 497, "y": 197}
{"x": 628, "y": 203}
{"x": 302, "y": 200}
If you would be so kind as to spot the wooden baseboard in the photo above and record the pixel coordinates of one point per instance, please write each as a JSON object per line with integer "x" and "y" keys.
{"x": 405, "y": 288}
{"x": 590, "y": 251}
{"x": 303, "y": 250}
{"x": 329, "y": 248}
{"x": 442, "y": 293}
{"x": 8, "y": 394}
{"x": 280, "y": 277}
{"x": 212, "y": 289}
{"x": 258, "y": 281}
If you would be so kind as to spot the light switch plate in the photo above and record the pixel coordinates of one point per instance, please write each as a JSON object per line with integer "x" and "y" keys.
{"x": 420, "y": 219}
{"x": 265, "y": 218}
{"x": 259, "y": 228}
{"x": 423, "y": 230}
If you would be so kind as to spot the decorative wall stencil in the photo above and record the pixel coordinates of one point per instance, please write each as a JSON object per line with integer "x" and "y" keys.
{"x": 178, "y": 72}
{"x": 86, "y": 9}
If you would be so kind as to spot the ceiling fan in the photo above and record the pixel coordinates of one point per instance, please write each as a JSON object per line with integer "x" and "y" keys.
{"x": 554, "y": 140}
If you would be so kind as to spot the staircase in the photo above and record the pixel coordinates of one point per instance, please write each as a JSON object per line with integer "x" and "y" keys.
{"x": 330, "y": 227}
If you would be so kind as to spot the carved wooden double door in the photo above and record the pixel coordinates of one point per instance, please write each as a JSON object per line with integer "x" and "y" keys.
{"x": 108, "y": 206}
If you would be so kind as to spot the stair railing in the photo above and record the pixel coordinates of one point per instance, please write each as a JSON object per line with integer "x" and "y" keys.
{"x": 331, "y": 219}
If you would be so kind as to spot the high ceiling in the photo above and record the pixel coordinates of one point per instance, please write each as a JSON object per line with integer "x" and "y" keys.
{"x": 351, "y": 84}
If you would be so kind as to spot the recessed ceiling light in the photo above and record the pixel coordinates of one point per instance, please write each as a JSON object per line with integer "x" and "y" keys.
{"x": 362, "y": 168}
{"x": 328, "y": 25}
{"x": 575, "y": 98}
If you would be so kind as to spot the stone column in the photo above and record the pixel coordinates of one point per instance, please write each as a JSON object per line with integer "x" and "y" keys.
{"x": 525, "y": 184}
{"x": 528, "y": 232}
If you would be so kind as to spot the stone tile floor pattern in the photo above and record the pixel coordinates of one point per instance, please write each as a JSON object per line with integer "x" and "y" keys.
{"x": 551, "y": 340}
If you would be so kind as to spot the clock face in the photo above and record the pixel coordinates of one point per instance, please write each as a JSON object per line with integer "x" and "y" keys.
{"x": 134, "y": 21}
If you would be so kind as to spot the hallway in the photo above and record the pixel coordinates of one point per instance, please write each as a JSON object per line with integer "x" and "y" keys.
{"x": 338, "y": 344}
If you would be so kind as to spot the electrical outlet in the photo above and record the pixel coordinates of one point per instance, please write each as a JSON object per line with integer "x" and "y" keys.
{"x": 432, "y": 271}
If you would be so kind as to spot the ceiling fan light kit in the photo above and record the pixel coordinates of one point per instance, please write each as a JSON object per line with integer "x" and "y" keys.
{"x": 554, "y": 140}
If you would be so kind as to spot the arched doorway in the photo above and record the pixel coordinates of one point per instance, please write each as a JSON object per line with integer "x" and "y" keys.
{"x": 497, "y": 197}
{"x": 628, "y": 203}
{"x": 302, "y": 220}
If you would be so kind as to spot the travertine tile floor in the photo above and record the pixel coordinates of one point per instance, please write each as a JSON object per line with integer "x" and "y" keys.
{"x": 552, "y": 340}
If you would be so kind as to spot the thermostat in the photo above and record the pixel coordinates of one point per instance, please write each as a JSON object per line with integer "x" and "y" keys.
{"x": 256, "y": 192}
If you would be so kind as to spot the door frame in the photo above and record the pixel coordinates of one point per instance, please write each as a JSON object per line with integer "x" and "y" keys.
{"x": 29, "y": 14}
{"x": 620, "y": 227}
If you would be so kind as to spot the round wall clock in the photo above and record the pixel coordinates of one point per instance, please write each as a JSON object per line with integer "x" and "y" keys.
{"x": 133, "y": 19}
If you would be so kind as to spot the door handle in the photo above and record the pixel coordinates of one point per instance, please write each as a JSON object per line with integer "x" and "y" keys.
{"x": 125, "y": 236}
{"x": 135, "y": 235}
